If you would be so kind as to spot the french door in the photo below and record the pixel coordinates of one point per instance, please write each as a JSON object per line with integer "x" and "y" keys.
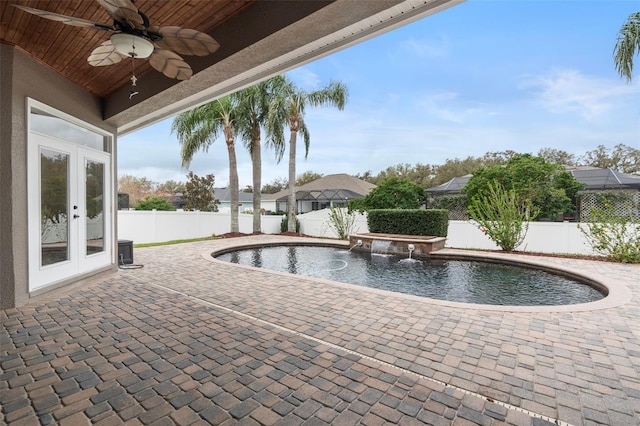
{"x": 70, "y": 224}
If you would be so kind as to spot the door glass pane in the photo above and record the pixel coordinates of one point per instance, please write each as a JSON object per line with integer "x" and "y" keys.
{"x": 52, "y": 125}
{"x": 54, "y": 207}
{"x": 94, "y": 221}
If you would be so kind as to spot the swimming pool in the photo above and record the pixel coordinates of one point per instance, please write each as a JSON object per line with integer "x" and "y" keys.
{"x": 452, "y": 280}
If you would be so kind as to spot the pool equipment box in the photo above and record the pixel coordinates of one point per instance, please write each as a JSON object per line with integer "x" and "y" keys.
{"x": 125, "y": 252}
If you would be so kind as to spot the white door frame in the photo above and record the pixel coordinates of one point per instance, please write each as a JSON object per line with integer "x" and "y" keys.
{"x": 78, "y": 262}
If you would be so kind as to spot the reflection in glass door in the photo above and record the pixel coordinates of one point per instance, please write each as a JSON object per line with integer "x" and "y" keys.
{"x": 94, "y": 189}
{"x": 94, "y": 186}
{"x": 54, "y": 206}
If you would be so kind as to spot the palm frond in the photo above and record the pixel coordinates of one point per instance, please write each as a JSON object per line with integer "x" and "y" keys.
{"x": 627, "y": 46}
{"x": 306, "y": 137}
{"x": 198, "y": 128}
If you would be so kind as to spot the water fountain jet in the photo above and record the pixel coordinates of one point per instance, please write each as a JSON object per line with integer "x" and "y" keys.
{"x": 396, "y": 244}
{"x": 357, "y": 244}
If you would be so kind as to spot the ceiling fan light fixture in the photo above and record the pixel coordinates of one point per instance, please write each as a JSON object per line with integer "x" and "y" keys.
{"x": 132, "y": 45}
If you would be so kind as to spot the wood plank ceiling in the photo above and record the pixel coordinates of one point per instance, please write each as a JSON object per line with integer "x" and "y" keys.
{"x": 65, "y": 48}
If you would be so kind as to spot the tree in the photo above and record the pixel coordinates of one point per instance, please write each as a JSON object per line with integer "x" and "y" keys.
{"x": 455, "y": 167}
{"x": 557, "y": 156}
{"x": 154, "y": 203}
{"x": 433, "y": 175}
{"x": 627, "y": 46}
{"x": 498, "y": 157}
{"x": 53, "y": 195}
{"x": 307, "y": 177}
{"x": 622, "y": 158}
{"x": 198, "y": 193}
{"x": 137, "y": 187}
{"x": 170, "y": 187}
{"x": 253, "y": 112}
{"x": 94, "y": 189}
{"x": 420, "y": 173}
{"x": 548, "y": 186}
{"x": 288, "y": 109}
{"x": 276, "y": 185}
{"x": 366, "y": 176}
{"x": 391, "y": 193}
{"x": 198, "y": 128}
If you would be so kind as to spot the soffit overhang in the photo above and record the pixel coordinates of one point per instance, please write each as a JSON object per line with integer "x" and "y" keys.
{"x": 258, "y": 39}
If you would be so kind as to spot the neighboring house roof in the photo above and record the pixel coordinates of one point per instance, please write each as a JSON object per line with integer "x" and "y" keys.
{"x": 224, "y": 195}
{"x": 331, "y": 187}
{"x": 596, "y": 178}
{"x": 592, "y": 177}
{"x": 454, "y": 186}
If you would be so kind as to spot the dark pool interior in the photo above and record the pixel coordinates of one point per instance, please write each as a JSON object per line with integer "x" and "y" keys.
{"x": 452, "y": 280}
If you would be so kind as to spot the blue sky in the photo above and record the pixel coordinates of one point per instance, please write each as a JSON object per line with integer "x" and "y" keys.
{"x": 486, "y": 75}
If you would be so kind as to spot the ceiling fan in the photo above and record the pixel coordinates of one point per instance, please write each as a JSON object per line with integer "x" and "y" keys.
{"x": 133, "y": 37}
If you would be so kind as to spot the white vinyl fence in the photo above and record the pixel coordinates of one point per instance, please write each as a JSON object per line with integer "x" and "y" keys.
{"x": 542, "y": 237}
{"x": 160, "y": 226}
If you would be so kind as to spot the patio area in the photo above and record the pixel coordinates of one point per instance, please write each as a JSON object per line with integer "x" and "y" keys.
{"x": 190, "y": 340}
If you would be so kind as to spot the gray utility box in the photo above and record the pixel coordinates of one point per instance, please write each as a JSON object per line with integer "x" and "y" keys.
{"x": 125, "y": 252}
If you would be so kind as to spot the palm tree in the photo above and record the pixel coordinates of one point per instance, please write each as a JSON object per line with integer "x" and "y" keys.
{"x": 288, "y": 109}
{"x": 198, "y": 128}
{"x": 253, "y": 113}
{"x": 627, "y": 46}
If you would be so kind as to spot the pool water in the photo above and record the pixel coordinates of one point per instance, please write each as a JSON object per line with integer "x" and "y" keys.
{"x": 453, "y": 280}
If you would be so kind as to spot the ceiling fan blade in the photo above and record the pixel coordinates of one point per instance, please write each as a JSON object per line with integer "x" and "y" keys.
{"x": 185, "y": 41}
{"x": 105, "y": 54}
{"x": 69, "y": 20}
{"x": 123, "y": 11}
{"x": 170, "y": 64}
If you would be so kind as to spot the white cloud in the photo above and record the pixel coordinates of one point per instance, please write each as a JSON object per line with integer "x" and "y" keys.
{"x": 423, "y": 48}
{"x": 305, "y": 78}
{"x": 447, "y": 106}
{"x": 566, "y": 91}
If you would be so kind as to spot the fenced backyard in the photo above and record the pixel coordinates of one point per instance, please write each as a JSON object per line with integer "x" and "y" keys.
{"x": 159, "y": 226}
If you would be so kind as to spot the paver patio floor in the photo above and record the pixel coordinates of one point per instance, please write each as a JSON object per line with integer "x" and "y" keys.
{"x": 189, "y": 340}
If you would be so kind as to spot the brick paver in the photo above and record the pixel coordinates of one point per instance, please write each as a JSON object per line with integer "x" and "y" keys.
{"x": 187, "y": 340}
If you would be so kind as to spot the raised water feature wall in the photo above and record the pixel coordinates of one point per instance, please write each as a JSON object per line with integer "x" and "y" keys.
{"x": 396, "y": 244}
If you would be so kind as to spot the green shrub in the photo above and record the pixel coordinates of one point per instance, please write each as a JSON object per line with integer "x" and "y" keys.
{"x": 284, "y": 225}
{"x": 154, "y": 203}
{"x": 502, "y": 215}
{"x": 614, "y": 233}
{"x": 432, "y": 222}
{"x": 392, "y": 193}
{"x": 342, "y": 221}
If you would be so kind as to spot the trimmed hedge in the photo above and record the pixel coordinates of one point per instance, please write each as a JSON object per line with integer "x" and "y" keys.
{"x": 431, "y": 222}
